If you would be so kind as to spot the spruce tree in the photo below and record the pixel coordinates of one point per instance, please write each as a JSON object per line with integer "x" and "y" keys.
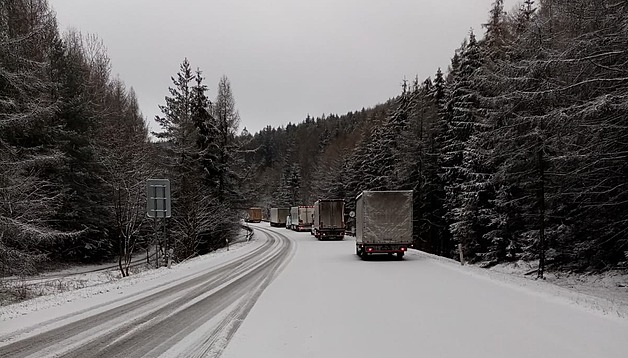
{"x": 463, "y": 115}
{"x": 208, "y": 134}
{"x": 83, "y": 81}
{"x": 28, "y": 132}
{"x": 193, "y": 212}
{"x": 227, "y": 122}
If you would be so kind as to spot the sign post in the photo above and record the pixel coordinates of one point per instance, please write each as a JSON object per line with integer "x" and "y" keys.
{"x": 158, "y": 207}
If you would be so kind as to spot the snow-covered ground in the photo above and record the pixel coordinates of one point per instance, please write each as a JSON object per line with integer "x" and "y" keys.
{"x": 96, "y": 288}
{"x": 327, "y": 302}
{"x": 611, "y": 285}
{"x": 80, "y": 277}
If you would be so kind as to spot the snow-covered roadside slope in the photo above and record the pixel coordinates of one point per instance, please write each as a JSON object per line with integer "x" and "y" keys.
{"x": 40, "y": 309}
{"x": 586, "y": 296}
{"x": 610, "y": 285}
{"x": 329, "y": 303}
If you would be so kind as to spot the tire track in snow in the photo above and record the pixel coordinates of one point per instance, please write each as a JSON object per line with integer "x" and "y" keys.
{"x": 154, "y": 325}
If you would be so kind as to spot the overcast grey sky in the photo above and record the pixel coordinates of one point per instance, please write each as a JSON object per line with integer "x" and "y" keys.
{"x": 285, "y": 58}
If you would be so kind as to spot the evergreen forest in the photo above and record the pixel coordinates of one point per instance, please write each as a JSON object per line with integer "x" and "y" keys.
{"x": 515, "y": 150}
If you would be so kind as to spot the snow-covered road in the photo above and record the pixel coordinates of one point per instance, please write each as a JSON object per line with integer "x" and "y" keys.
{"x": 190, "y": 315}
{"x": 329, "y": 303}
{"x": 323, "y": 302}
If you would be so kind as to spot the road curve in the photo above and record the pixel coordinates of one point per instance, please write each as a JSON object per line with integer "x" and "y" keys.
{"x": 196, "y": 317}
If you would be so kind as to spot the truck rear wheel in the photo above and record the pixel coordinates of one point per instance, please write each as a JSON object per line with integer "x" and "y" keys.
{"x": 400, "y": 255}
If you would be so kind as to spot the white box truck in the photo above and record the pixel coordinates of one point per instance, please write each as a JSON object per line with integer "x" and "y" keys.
{"x": 278, "y": 216}
{"x": 301, "y": 217}
{"x": 383, "y": 223}
{"x": 329, "y": 220}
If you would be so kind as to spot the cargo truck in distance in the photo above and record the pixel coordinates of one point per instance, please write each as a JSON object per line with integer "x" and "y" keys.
{"x": 383, "y": 223}
{"x": 301, "y": 217}
{"x": 329, "y": 219}
{"x": 278, "y": 216}
{"x": 253, "y": 215}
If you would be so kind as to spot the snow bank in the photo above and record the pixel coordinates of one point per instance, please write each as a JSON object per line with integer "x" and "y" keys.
{"x": 582, "y": 290}
{"x": 109, "y": 286}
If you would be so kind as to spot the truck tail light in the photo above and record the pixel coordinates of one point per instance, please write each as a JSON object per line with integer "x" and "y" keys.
{"x": 369, "y": 249}
{"x": 403, "y": 249}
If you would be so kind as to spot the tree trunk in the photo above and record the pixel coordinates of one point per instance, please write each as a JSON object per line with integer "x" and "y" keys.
{"x": 120, "y": 255}
{"x": 541, "y": 198}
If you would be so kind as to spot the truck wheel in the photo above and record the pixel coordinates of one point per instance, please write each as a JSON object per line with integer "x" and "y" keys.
{"x": 400, "y": 256}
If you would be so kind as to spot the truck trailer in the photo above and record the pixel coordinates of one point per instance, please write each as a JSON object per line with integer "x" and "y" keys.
{"x": 301, "y": 217}
{"x": 383, "y": 223}
{"x": 278, "y": 216}
{"x": 253, "y": 215}
{"x": 329, "y": 219}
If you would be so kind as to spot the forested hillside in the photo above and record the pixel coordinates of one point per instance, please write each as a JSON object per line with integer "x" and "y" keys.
{"x": 70, "y": 139}
{"x": 75, "y": 152}
{"x": 519, "y": 150}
